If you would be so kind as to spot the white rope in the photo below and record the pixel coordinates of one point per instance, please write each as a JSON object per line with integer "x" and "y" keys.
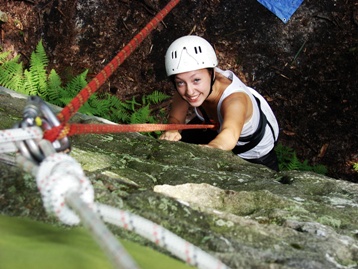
{"x": 181, "y": 248}
{"x": 68, "y": 194}
{"x": 9, "y": 136}
{"x": 99, "y": 231}
{"x": 8, "y": 147}
{"x": 65, "y": 189}
{"x": 58, "y": 174}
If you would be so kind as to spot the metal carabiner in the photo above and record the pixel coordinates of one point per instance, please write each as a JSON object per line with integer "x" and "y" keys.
{"x": 36, "y": 109}
{"x": 49, "y": 120}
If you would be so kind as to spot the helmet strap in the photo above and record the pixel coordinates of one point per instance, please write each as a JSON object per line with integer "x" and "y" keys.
{"x": 212, "y": 82}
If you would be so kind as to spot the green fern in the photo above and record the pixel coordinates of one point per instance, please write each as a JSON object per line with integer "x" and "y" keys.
{"x": 37, "y": 78}
{"x": 320, "y": 169}
{"x": 155, "y": 97}
{"x": 132, "y": 104}
{"x": 294, "y": 163}
{"x": 54, "y": 88}
{"x": 76, "y": 84}
{"x": 4, "y": 56}
{"x": 355, "y": 167}
{"x": 288, "y": 160}
{"x": 141, "y": 115}
{"x": 36, "y": 81}
{"x": 11, "y": 73}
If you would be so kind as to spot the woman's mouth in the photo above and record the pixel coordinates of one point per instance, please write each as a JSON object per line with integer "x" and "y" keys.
{"x": 192, "y": 99}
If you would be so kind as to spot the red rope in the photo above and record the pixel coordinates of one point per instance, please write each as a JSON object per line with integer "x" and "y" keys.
{"x": 75, "y": 129}
{"x": 69, "y": 110}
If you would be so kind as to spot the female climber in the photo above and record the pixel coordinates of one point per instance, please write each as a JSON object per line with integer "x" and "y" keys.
{"x": 246, "y": 124}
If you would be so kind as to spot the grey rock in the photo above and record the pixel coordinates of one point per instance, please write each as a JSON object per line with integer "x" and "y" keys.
{"x": 245, "y": 214}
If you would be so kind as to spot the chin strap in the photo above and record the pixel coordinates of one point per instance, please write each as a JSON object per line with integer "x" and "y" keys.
{"x": 212, "y": 82}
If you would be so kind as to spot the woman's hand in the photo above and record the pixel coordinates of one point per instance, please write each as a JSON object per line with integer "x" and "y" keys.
{"x": 171, "y": 136}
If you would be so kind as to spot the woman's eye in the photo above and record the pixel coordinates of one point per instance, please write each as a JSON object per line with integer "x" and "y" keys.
{"x": 179, "y": 83}
{"x": 197, "y": 80}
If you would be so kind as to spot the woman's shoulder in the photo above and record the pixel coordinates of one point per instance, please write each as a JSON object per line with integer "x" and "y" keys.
{"x": 230, "y": 74}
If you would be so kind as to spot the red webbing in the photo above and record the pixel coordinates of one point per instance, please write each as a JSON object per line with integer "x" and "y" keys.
{"x": 69, "y": 110}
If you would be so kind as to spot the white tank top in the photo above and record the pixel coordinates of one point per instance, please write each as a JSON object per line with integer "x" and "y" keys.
{"x": 267, "y": 142}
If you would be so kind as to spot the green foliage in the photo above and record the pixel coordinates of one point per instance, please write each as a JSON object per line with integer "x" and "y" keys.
{"x": 11, "y": 72}
{"x": 355, "y": 167}
{"x": 37, "y": 81}
{"x": 288, "y": 160}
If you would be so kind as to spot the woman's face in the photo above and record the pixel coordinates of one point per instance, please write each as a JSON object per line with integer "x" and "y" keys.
{"x": 193, "y": 86}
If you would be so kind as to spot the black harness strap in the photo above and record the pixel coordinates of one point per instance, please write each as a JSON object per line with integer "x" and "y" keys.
{"x": 254, "y": 139}
{"x": 205, "y": 116}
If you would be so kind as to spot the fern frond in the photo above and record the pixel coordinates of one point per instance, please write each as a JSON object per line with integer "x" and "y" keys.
{"x": 95, "y": 107}
{"x": 156, "y": 97}
{"x": 320, "y": 169}
{"x": 132, "y": 104}
{"x": 41, "y": 54}
{"x": 102, "y": 106}
{"x": 11, "y": 74}
{"x": 114, "y": 101}
{"x": 38, "y": 65}
{"x": 29, "y": 87}
{"x": 294, "y": 164}
{"x": 4, "y": 56}
{"x": 355, "y": 167}
{"x": 304, "y": 166}
{"x": 119, "y": 115}
{"x": 141, "y": 115}
{"x": 54, "y": 88}
{"x": 87, "y": 109}
{"x": 76, "y": 84}
{"x": 65, "y": 100}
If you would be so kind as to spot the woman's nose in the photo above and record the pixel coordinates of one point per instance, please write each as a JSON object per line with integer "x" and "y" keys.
{"x": 189, "y": 89}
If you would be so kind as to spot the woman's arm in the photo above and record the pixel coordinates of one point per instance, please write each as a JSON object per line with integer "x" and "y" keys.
{"x": 177, "y": 115}
{"x": 236, "y": 109}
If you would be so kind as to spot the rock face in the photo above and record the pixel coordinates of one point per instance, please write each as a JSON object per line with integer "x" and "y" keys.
{"x": 244, "y": 214}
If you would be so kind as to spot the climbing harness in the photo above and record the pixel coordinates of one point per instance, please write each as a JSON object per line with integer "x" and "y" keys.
{"x": 41, "y": 145}
{"x": 252, "y": 140}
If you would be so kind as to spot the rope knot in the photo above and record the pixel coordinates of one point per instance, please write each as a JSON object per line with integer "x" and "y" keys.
{"x": 57, "y": 132}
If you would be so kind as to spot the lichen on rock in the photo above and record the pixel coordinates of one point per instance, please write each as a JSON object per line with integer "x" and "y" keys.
{"x": 245, "y": 214}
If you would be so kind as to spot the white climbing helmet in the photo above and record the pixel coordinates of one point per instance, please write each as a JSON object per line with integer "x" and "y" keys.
{"x": 189, "y": 53}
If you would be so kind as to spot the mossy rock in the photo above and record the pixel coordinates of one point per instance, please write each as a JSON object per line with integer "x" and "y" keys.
{"x": 249, "y": 217}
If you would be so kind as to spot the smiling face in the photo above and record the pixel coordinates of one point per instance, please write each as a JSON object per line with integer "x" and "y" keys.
{"x": 194, "y": 86}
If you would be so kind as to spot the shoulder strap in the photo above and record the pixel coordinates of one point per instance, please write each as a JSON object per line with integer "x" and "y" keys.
{"x": 204, "y": 114}
{"x": 254, "y": 139}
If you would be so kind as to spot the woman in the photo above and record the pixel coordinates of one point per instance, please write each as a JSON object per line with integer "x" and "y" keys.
{"x": 247, "y": 125}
